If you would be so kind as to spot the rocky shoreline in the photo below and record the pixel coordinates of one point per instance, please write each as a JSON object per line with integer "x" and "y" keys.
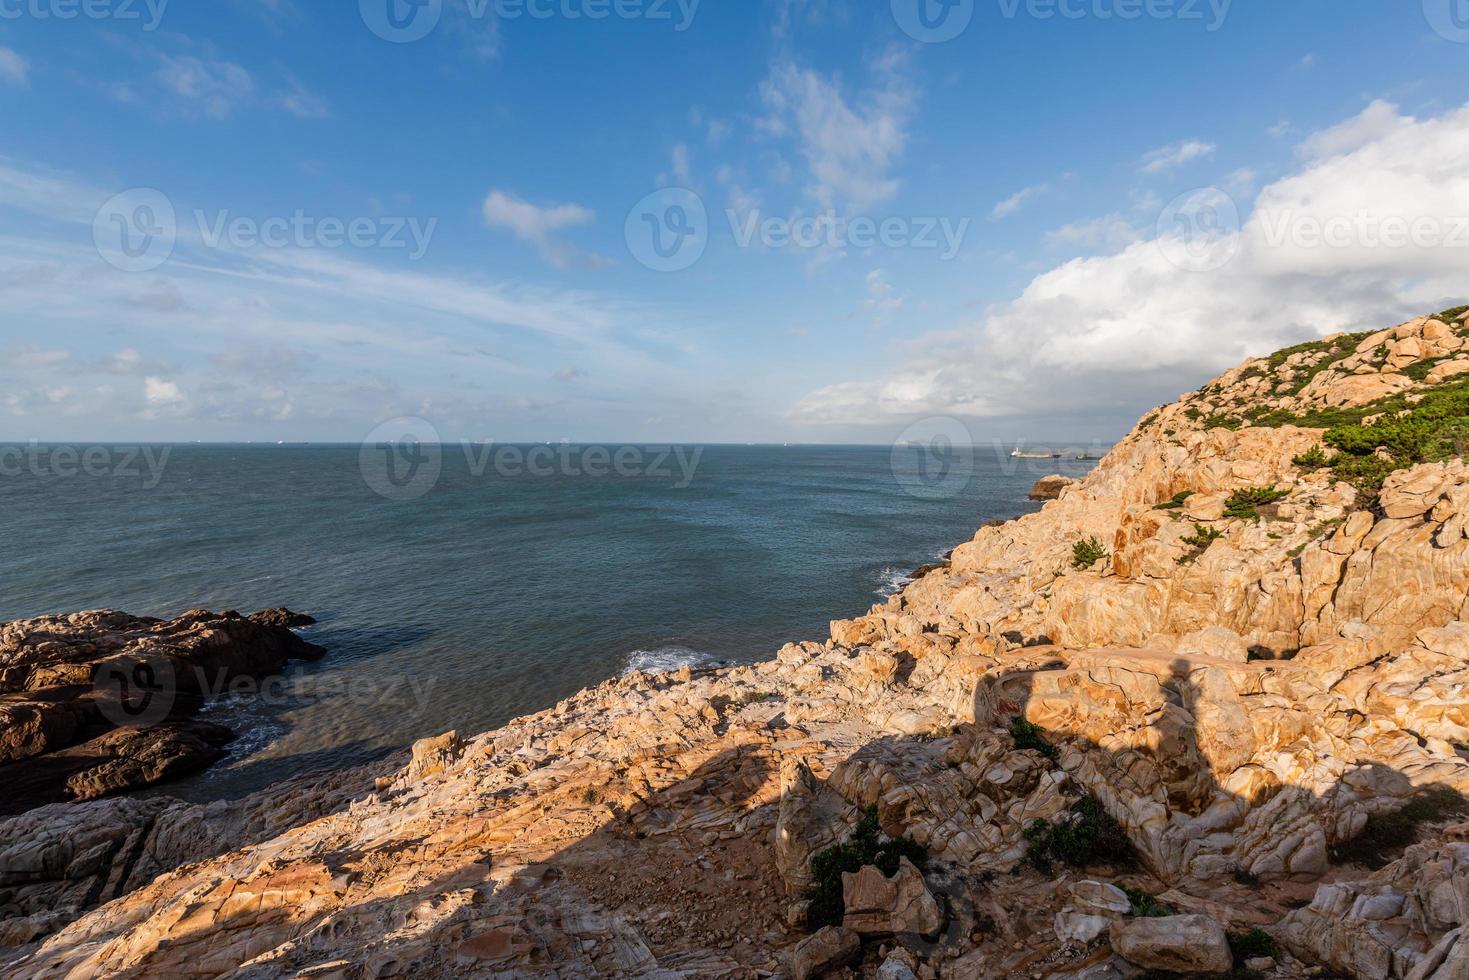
{"x": 97, "y": 703}
{"x": 1206, "y": 713}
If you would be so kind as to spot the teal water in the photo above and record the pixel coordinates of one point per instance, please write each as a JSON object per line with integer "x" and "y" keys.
{"x": 492, "y": 595}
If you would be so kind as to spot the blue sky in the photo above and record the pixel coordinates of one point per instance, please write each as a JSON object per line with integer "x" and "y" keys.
{"x": 491, "y": 168}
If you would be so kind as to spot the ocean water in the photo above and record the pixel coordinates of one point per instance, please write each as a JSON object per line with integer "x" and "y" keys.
{"x": 496, "y": 592}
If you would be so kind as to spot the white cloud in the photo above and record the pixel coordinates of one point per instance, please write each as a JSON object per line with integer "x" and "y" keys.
{"x": 1377, "y": 121}
{"x": 1132, "y": 328}
{"x": 1175, "y": 155}
{"x": 1018, "y": 200}
{"x": 300, "y": 102}
{"x": 882, "y": 301}
{"x": 1109, "y": 231}
{"x": 160, "y": 392}
{"x": 850, "y": 146}
{"x": 536, "y": 225}
{"x": 215, "y": 87}
{"x": 14, "y": 68}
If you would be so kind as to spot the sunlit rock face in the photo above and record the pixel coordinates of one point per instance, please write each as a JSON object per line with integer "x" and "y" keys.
{"x": 1268, "y": 663}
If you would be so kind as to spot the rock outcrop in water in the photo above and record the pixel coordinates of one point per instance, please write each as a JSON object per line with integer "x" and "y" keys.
{"x": 99, "y": 702}
{"x": 1205, "y": 711}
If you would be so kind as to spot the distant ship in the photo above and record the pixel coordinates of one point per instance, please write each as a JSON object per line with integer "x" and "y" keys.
{"x": 1017, "y": 454}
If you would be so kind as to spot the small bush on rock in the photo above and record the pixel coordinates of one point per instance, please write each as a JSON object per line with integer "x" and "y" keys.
{"x": 1245, "y": 504}
{"x": 1386, "y": 835}
{"x": 1033, "y": 737}
{"x": 867, "y": 845}
{"x": 1145, "y": 905}
{"x": 1085, "y": 835}
{"x": 1252, "y": 944}
{"x": 1087, "y": 552}
{"x": 1199, "y": 542}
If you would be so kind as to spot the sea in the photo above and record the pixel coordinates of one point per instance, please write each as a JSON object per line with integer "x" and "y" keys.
{"x": 458, "y": 587}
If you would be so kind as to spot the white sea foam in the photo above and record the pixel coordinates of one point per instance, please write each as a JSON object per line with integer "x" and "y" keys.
{"x": 891, "y": 581}
{"x": 665, "y": 660}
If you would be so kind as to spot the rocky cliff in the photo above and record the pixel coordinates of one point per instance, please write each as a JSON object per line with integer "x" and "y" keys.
{"x": 1205, "y": 713}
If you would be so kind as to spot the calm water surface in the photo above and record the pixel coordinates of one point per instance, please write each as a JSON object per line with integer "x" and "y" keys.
{"x": 493, "y": 595}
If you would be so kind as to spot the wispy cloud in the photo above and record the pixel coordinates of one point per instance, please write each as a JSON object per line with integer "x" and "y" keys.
{"x": 213, "y": 87}
{"x": 14, "y": 69}
{"x": 537, "y": 225}
{"x": 1018, "y": 200}
{"x": 1175, "y": 155}
{"x": 851, "y": 144}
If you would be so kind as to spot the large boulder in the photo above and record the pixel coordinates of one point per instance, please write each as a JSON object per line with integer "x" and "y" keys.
{"x": 878, "y": 905}
{"x": 1050, "y": 487}
{"x": 1177, "y": 943}
{"x": 824, "y": 951}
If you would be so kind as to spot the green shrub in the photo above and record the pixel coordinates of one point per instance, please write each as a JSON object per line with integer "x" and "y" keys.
{"x": 1033, "y": 737}
{"x": 866, "y": 846}
{"x": 1218, "y": 421}
{"x": 1145, "y": 905}
{"x": 1085, "y": 835}
{"x": 1199, "y": 542}
{"x": 1244, "y": 504}
{"x": 1087, "y": 552}
{"x": 1314, "y": 458}
{"x": 1416, "y": 427}
{"x": 1249, "y": 945}
{"x": 1179, "y": 499}
{"x": 1451, "y": 316}
{"x": 1386, "y": 835}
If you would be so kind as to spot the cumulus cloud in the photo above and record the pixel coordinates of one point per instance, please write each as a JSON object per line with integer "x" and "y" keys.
{"x": 537, "y": 225}
{"x": 1130, "y": 329}
{"x": 1175, "y": 155}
